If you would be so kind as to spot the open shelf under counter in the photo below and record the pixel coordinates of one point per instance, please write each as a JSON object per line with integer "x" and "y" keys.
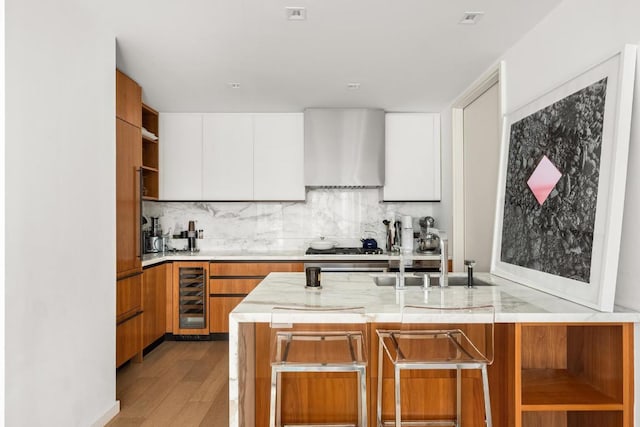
{"x": 560, "y": 390}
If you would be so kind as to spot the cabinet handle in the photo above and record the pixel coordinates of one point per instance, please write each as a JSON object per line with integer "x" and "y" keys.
{"x": 140, "y": 236}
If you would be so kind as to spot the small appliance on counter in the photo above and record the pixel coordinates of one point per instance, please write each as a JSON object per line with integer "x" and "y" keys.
{"x": 192, "y": 237}
{"x": 407, "y": 234}
{"x": 154, "y": 240}
{"x": 429, "y": 241}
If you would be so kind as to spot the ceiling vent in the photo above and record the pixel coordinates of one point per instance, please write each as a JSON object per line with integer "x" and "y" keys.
{"x": 296, "y": 13}
{"x": 470, "y": 18}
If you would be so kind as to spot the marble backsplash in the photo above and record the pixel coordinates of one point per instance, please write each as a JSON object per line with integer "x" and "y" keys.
{"x": 342, "y": 215}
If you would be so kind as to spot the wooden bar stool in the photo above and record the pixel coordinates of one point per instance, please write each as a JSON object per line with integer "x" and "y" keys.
{"x": 295, "y": 349}
{"x": 437, "y": 348}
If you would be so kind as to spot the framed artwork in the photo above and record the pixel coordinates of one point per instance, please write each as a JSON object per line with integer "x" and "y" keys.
{"x": 562, "y": 185}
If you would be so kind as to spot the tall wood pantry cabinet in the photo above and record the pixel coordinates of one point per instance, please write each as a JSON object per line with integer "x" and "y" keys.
{"x": 128, "y": 245}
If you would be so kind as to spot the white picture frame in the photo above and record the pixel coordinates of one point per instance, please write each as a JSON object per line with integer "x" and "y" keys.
{"x": 596, "y": 287}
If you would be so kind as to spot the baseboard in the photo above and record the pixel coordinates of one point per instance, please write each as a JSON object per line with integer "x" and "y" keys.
{"x": 107, "y": 416}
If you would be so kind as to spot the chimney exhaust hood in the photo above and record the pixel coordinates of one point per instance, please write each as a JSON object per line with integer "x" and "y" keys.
{"x": 343, "y": 147}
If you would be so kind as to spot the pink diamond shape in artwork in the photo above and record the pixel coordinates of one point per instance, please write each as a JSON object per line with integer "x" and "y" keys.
{"x": 543, "y": 179}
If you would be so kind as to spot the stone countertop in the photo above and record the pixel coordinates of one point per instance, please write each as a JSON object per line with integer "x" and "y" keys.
{"x": 513, "y": 302}
{"x": 292, "y": 255}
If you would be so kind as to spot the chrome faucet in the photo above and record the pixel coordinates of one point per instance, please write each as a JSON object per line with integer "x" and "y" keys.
{"x": 444, "y": 261}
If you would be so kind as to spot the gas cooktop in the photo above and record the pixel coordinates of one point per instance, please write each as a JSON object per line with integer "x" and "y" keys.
{"x": 344, "y": 251}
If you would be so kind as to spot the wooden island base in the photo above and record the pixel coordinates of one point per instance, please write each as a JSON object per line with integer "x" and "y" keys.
{"x": 544, "y": 375}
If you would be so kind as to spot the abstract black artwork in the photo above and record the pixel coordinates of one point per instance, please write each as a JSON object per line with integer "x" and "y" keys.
{"x": 561, "y": 192}
{"x": 552, "y": 174}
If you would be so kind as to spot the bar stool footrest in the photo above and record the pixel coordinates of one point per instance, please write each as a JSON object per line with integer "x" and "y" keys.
{"x": 321, "y": 425}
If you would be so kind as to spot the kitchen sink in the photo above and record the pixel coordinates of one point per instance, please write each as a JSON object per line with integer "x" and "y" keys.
{"x": 390, "y": 280}
{"x": 411, "y": 280}
{"x": 460, "y": 281}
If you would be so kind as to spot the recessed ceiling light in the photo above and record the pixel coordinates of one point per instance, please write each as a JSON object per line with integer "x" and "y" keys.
{"x": 234, "y": 85}
{"x": 353, "y": 85}
{"x": 296, "y": 13}
{"x": 470, "y": 18}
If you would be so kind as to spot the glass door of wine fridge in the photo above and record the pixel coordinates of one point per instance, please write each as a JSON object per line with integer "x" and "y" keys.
{"x": 190, "y": 298}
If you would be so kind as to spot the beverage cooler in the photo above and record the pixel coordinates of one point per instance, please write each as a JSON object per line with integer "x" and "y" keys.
{"x": 190, "y": 298}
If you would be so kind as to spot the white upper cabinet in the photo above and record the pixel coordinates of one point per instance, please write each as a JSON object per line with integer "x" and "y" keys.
{"x": 232, "y": 156}
{"x": 180, "y": 156}
{"x": 278, "y": 156}
{"x": 227, "y": 157}
{"x": 412, "y": 157}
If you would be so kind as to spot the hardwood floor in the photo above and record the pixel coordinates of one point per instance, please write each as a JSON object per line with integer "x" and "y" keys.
{"x": 180, "y": 383}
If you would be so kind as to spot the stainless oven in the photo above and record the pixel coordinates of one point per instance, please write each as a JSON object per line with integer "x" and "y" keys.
{"x": 350, "y": 266}
{"x": 421, "y": 265}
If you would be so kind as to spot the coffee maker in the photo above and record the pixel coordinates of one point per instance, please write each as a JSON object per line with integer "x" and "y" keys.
{"x": 192, "y": 237}
{"x": 154, "y": 241}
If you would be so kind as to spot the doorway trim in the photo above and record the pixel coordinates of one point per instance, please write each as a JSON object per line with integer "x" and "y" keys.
{"x": 495, "y": 75}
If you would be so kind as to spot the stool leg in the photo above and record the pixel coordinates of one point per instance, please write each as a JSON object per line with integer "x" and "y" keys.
{"x": 487, "y": 399}
{"x": 458, "y": 397}
{"x": 362, "y": 398}
{"x": 397, "y": 393}
{"x": 272, "y": 403}
{"x": 379, "y": 399}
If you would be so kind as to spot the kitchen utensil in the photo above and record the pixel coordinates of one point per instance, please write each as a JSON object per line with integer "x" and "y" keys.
{"x": 430, "y": 242}
{"x": 397, "y": 233}
{"x": 322, "y": 244}
{"x": 389, "y": 235}
{"x": 155, "y": 226}
{"x": 369, "y": 243}
{"x": 427, "y": 222}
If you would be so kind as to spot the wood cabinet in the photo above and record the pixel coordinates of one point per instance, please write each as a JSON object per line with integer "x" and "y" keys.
{"x": 128, "y": 245}
{"x": 543, "y": 375}
{"x": 570, "y": 375}
{"x": 412, "y": 157}
{"x": 190, "y": 298}
{"x": 230, "y": 282}
{"x": 181, "y": 156}
{"x": 129, "y": 340}
{"x": 128, "y": 162}
{"x": 154, "y": 303}
{"x": 233, "y": 156}
{"x": 129, "y": 319}
{"x": 128, "y": 100}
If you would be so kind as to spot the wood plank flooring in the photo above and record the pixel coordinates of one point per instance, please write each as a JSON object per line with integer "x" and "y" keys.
{"x": 180, "y": 383}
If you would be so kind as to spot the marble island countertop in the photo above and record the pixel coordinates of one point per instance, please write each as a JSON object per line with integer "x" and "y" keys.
{"x": 514, "y": 303}
{"x": 279, "y": 255}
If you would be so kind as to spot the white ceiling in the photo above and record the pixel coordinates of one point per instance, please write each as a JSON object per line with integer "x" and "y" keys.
{"x": 408, "y": 55}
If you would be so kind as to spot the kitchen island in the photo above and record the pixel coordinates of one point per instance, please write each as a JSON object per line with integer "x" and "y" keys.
{"x": 556, "y": 364}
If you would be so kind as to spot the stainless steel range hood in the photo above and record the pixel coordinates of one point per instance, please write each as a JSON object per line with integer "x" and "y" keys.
{"x": 343, "y": 147}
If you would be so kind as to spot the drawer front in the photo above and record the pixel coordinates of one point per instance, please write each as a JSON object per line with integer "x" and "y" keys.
{"x": 219, "y": 309}
{"x": 128, "y": 297}
{"x": 232, "y": 286}
{"x": 128, "y": 339}
{"x": 258, "y": 269}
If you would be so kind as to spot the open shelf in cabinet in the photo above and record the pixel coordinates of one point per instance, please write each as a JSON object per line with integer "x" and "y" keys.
{"x": 150, "y": 158}
{"x": 559, "y": 390}
{"x": 573, "y": 374}
{"x": 572, "y": 419}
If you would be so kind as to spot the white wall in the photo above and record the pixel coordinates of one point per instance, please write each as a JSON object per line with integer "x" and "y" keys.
{"x": 628, "y": 290}
{"x": 573, "y": 37}
{"x": 60, "y": 216}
